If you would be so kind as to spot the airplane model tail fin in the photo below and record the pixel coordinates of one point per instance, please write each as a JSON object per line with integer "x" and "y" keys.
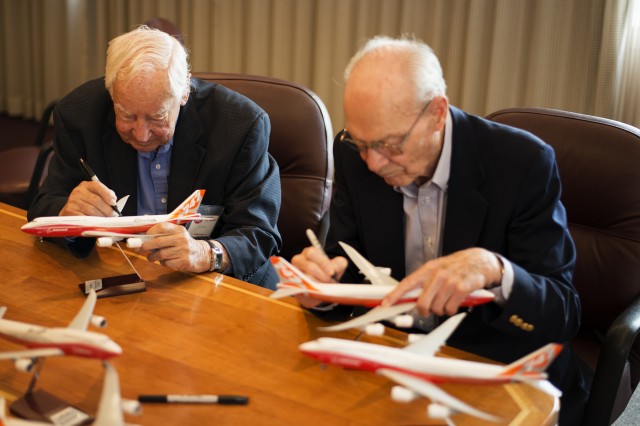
{"x": 122, "y": 202}
{"x": 3, "y": 309}
{"x": 533, "y": 366}
{"x": 189, "y": 206}
{"x": 291, "y": 278}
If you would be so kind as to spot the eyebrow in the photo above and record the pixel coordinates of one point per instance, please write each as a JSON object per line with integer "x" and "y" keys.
{"x": 159, "y": 114}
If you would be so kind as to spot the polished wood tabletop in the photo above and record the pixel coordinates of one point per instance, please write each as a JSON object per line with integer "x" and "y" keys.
{"x": 189, "y": 334}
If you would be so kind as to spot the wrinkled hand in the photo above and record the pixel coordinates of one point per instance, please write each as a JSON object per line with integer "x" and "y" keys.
{"x": 90, "y": 199}
{"x": 447, "y": 280}
{"x": 318, "y": 266}
{"x": 177, "y": 250}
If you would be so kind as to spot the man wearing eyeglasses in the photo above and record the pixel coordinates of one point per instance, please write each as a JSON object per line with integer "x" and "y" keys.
{"x": 451, "y": 203}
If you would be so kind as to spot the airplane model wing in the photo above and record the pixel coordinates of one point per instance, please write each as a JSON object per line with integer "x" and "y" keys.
{"x": 110, "y": 407}
{"x": 373, "y": 273}
{"x": 82, "y": 318}
{"x": 31, "y": 353}
{"x": 376, "y": 314}
{"x": 432, "y": 342}
{"x": 435, "y": 394}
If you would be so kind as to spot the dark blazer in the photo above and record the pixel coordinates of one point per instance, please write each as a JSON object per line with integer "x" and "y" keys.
{"x": 503, "y": 195}
{"x": 220, "y": 144}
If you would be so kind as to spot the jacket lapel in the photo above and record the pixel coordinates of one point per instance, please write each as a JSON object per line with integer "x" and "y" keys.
{"x": 466, "y": 206}
{"x": 384, "y": 214}
{"x": 120, "y": 159}
{"x": 186, "y": 156}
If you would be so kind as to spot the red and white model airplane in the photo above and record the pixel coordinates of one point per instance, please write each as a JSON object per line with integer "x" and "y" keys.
{"x": 110, "y": 408}
{"x": 112, "y": 229}
{"x": 57, "y": 341}
{"x": 293, "y": 281}
{"x": 417, "y": 370}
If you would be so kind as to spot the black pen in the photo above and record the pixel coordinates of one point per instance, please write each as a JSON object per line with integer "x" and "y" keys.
{"x": 196, "y": 399}
{"x": 92, "y": 176}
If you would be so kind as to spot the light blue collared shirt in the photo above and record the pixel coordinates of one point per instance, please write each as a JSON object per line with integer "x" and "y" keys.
{"x": 153, "y": 180}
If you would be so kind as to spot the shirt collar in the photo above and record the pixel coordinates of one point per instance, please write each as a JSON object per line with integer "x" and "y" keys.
{"x": 162, "y": 149}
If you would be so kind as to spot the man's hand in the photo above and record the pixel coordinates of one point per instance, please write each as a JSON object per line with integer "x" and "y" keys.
{"x": 90, "y": 198}
{"x": 318, "y": 266}
{"x": 447, "y": 280}
{"x": 177, "y": 250}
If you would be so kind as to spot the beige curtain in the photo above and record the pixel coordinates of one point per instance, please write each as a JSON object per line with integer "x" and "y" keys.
{"x": 565, "y": 54}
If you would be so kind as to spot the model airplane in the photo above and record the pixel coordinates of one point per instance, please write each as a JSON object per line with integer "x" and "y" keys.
{"x": 293, "y": 281}
{"x": 108, "y": 230}
{"x": 110, "y": 408}
{"x": 72, "y": 340}
{"x": 416, "y": 369}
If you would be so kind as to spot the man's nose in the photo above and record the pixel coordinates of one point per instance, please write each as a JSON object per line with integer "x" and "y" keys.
{"x": 141, "y": 130}
{"x": 375, "y": 161}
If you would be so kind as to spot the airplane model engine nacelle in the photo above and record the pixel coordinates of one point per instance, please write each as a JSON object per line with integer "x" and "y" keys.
{"x": 104, "y": 242}
{"x": 131, "y": 406}
{"x": 24, "y": 364}
{"x": 403, "y": 321}
{"x": 376, "y": 329}
{"x": 98, "y": 321}
{"x": 439, "y": 411}
{"x": 134, "y": 242}
{"x": 402, "y": 394}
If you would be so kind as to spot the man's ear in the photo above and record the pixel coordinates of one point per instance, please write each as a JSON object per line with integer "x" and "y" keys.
{"x": 440, "y": 110}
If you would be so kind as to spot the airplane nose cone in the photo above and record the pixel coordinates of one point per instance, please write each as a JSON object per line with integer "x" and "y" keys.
{"x": 114, "y": 348}
{"x": 309, "y": 347}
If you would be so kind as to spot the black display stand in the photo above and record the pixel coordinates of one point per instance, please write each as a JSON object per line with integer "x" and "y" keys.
{"x": 114, "y": 286}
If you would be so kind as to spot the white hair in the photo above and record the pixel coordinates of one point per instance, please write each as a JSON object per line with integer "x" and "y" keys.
{"x": 144, "y": 51}
{"x": 422, "y": 62}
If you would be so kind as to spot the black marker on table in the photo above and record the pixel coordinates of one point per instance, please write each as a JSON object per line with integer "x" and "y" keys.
{"x": 92, "y": 176}
{"x": 195, "y": 399}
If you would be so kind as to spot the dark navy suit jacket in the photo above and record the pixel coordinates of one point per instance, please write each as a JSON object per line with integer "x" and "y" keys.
{"x": 220, "y": 144}
{"x": 503, "y": 195}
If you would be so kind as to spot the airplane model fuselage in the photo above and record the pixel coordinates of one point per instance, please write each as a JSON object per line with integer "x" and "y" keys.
{"x": 293, "y": 281}
{"x": 82, "y": 343}
{"x": 371, "y": 357}
{"x": 80, "y": 226}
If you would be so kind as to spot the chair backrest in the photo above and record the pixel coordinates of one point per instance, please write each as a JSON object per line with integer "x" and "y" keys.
{"x": 23, "y": 167}
{"x": 301, "y": 143}
{"x": 599, "y": 164}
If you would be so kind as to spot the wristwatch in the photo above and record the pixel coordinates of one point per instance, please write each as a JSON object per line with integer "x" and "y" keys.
{"x": 216, "y": 257}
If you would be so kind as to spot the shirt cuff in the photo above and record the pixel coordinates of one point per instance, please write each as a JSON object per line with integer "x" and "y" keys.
{"x": 506, "y": 285}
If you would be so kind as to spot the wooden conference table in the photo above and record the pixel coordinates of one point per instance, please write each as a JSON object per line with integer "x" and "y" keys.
{"x": 188, "y": 335}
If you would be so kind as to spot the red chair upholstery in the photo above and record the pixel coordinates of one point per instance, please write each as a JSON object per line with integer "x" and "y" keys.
{"x": 599, "y": 164}
{"x": 301, "y": 143}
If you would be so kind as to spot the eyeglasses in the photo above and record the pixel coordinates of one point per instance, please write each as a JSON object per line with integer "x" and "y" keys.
{"x": 383, "y": 147}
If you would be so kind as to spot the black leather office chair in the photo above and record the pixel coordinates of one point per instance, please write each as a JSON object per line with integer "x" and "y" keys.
{"x": 301, "y": 142}
{"x": 599, "y": 164}
{"x": 22, "y": 168}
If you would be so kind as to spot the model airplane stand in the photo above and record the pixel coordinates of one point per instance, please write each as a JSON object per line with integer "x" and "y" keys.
{"x": 40, "y": 405}
{"x": 114, "y": 286}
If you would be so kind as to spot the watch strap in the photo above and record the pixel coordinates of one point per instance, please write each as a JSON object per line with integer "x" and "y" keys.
{"x": 216, "y": 257}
